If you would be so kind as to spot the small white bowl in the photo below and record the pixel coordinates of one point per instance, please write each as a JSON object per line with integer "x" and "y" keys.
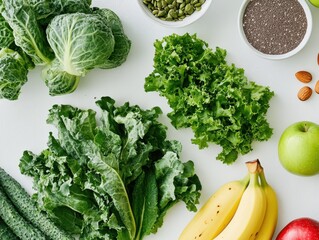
{"x": 278, "y": 56}
{"x": 181, "y": 23}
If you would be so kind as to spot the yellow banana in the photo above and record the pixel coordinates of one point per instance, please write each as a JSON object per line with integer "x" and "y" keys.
{"x": 251, "y": 210}
{"x": 216, "y": 213}
{"x": 268, "y": 227}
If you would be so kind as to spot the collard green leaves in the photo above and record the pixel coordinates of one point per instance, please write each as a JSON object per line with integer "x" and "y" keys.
{"x": 114, "y": 177}
{"x": 213, "y": 98}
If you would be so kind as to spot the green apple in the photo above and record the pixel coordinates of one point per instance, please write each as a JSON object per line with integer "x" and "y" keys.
{"x": 298, "y": 148}
{"x": 314, "y": 2}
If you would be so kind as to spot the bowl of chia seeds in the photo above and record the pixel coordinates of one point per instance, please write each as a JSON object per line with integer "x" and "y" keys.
{"x": 275, "y": 29}
{"x": 174, "y": 13}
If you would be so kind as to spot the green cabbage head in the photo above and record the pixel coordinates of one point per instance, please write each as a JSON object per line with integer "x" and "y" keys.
{"x": 80, "y": 42}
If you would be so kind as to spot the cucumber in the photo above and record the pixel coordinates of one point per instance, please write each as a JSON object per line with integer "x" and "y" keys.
{"x": 6, "y": 233}
{"x": 28, "y": 209}
{"x": 20, "y": 226}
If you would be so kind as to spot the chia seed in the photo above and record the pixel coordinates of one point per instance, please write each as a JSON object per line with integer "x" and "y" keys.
{"x": 274, "y": 26}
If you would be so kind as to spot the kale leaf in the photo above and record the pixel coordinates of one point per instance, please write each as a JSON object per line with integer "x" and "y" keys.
{"x": 113, "y": 177}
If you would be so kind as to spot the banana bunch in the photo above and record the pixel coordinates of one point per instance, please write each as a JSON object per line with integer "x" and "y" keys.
{"x": 245, "y": 209}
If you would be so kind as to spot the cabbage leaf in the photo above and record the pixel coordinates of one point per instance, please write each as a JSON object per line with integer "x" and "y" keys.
{"x": 122, "y": 44}
{"x": 6, "y": 34}
{"x": 58, "y": 81}
{"x": 27, "y": 32}
{"x": 46, "y": 10}
{"x": 13, "y": 73}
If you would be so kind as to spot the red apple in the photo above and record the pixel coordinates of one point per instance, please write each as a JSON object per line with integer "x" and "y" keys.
{"x": 300, "y": 229}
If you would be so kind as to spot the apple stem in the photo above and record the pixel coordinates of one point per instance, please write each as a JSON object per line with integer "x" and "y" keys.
{"x": 305, "y": 127}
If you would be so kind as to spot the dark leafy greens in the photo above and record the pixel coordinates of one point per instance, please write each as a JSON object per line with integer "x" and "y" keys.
{"x": 68, "y": 37}
{"x": 113, "y": 178}
{"x": 27, "y": 33}
{"x": 122, "y": 42}
{"x": 13, "y": 73}
{"x": 6, "y": 34}
{"x": 46, "y": 10}
{"x": 212, "y": 97}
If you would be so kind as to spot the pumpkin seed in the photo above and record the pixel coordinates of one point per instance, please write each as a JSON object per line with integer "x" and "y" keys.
{"x": 162, "y": 13}
{"x": 182, "y": 6}
{"x": 173, "y": 10}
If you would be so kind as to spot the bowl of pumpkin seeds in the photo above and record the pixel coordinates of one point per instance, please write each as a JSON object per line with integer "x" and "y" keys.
{"x": 174, "y": 13}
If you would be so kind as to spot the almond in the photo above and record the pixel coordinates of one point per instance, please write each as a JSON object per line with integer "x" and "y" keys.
{"x": 318, "y": 58}
{"x": 317, "y": 87}
{"x": 303, "y": 76}
{"x": 304, "y": 93}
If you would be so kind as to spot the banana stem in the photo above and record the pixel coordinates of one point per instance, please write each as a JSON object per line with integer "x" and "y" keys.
{"x": 253, "y": 169}
{"x": 252, "y": 166}
{"x": 263, "y": 181}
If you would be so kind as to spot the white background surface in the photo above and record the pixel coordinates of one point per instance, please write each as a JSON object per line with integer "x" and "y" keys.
{"x": 23, "y": 122}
